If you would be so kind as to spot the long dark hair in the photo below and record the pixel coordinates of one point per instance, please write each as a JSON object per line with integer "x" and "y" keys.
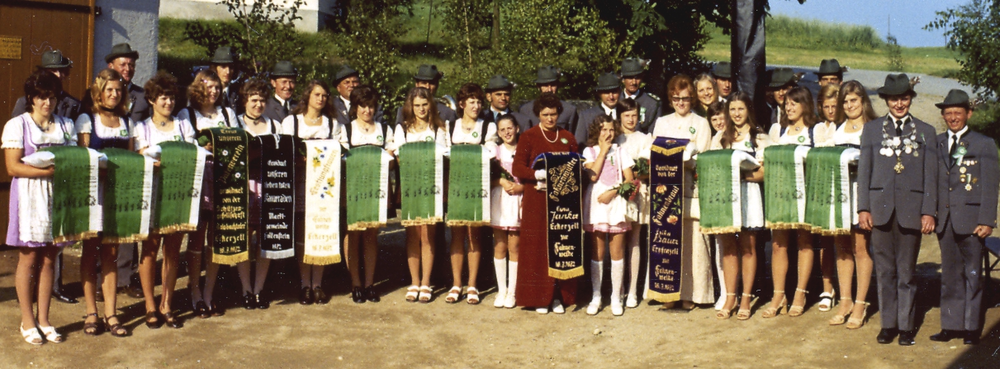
{"x": 729, "y": 135}
{"x": 801, "y": 96}
{"x": 432, "y": 114}
{"x": 303, "y": 106}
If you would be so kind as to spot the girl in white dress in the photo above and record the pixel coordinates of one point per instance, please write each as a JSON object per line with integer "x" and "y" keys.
{"x": 636, "y": 145}
{"x": 469, "y": 130}
{"x": 505, "y": 214}
{"x": 604, "y": 209}
{"x": 311, "y": 119}
{"x": 739, "y": 250}
{"x": 161, "y": 126}
{"x": 421, "y": 122}
{"x": 826, "y": 101}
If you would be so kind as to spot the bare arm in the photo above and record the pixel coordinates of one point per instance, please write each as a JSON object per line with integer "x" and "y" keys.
{"x": 15, "y": 168}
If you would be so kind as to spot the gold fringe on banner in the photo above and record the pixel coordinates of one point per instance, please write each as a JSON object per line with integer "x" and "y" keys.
{"x": 320, "y": 260}
{"x": 177, "y": 228}
{"x": 663, "y": 297}
{"x": 76, "y": 237}
{"x": 230, "y": 259}
{"x": 566, "y": 274}
{"x": 720, "y": 230}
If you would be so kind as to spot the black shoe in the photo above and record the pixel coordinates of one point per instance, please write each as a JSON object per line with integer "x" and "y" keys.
{"x": 172, "y": 320}
{"x": 153, "y": 320}
{"x": 306, "y": 296}
{"x": 216, "y": 310}
{"x": 261, "y": 302}
{"x": 201, "y": 309}
{"x": 370, "y": 295}
{"x": 906, "y": 338}
{"x": 60, "y": 296}
{"x": 99, "y": 297}
{"x": 971, "y": 338}
{"x": 886, "y": 335}
{"x": 320, "y": 296}
{"x": 248, "y": 301}
{"x": 946, "y": 335}
{"x": 357, "y": 296}
{"x": 134, "y": 289}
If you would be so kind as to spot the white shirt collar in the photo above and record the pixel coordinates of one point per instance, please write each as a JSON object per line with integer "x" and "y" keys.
{"x": 626, "y": 95}
{"x": 280, "y": 100}
{"x": 608, "y": 111}
{"x": 347, "y": 102}
{"x": 959, "y": 134}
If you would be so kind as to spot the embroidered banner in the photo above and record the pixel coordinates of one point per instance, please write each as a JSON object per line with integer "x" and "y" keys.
{"x": 564, "y": 212}
{"x": 720, "y": 177}
{"x": 322, "y": 213}
{"x": 232, "y": 195}
{"x": 72, "y": 202}
{"x": 666, "y": 204}
{"x": 469, "y": 186}
{"x": 178, "y": 192}
{"x": 128, "y": 189}
{"x": 277, "y": 196}
{"x": 421, "y": 172}
{"x": 828, "y": 189}
{"x": 367, "y": 183}
{"x": 784, "y": 187}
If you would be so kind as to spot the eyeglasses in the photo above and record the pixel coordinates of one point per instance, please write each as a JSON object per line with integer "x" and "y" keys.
{"x": 680, "y": 99}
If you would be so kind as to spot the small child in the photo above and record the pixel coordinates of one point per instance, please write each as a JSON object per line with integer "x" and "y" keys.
{"x": 505, "y": 217}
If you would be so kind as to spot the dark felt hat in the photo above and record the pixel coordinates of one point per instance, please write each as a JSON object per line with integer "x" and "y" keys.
{"x": 955, "y": 97}
{"x": 284, "y": 68}
{"x": 223, "y": 55}
{"x": 344, "y": 72}
{"x": 547, "y": 74}
{"x": 499, "y": 82}
{"x": 121, "y": 50}
{"x": 608, "y": 81}
{"x": 722, "y": 70}
{"x": 895, "y": 85}
{"x": 632, "y": 67}
{"x": 780, "y": 77}
{"x": 54, "y": 59}
{"x": 428, "y": 73}
{"x": 828, "y": 67}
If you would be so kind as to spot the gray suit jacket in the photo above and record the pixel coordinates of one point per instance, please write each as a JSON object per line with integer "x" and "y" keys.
{"x": 650, "y": 108}
{"x": 274, "y": 110}
{"x": 968, "y": 199}
{"x": 140, "y": 107}
{"x": 68, "y": 106}
{"x": 911, "y": 193}
{"x": 586, "y": 117}
{"x": 566, "y": 120}
{"x": 444, "y": 112}
{"x": 523, "y": 121}
{"x": 343, "y": 116}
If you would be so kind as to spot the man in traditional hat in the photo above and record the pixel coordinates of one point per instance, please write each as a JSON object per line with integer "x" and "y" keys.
{"x": 650, "y": 108}
{"x": 829, "y": 73}
{"x": 779, "y": 82}
{"x": 54, "y": 62}
{"x": 429, "y": 77}
{"x": 548, "y": 81}
{"x": 345, "y": 81}
{"x": 283, "y": 82}
{"x": 897, "y": 201}
{"x": 499, "y": 92}
{"x": 968, "y": 184}
{"x": 722, "y": 72}
{"x": 122, "y": 59}
{"x": 224, "y": 65}
{"x": 608, "y": 90}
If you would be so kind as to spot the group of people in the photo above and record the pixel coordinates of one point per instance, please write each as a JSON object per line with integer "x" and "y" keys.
{"x": 907, "y": 181}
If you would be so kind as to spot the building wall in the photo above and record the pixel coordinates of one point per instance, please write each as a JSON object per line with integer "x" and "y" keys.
{"x": 314, "y": 13}
{"x": 132, "y": 21}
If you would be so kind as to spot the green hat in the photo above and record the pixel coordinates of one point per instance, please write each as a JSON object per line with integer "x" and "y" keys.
{"x": 344, "y": 72}
{"x": 633, "y": 67}
{"x": 54, "y": 59}
{"x": 722, "y": 70}
{"x": 780, "y": 77}
{"x": 284, "y": 68}
{"x": 955, "y": 97}
{"x": 499, "y": 82}
{"x": 895, "y": 85}
{"x": 608, "y": 81}
{"x": 547, "y": 74}
{"x": 223, "y": 55}
{"x": 428, "y": 73}
{"x": 828, "y": 67}
{"x": 121, "y": 50}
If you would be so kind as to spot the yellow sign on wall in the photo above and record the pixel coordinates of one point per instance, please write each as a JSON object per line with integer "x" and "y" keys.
{"x": 10, "y": 47}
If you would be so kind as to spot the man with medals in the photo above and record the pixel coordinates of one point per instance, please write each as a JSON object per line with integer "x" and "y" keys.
{"x": 548, "y": 81}
{"x": 649, "y": 104}
{"x": 608, "y": 91}
{"x": 499, "y": 93}
{"x": 283, "y": 82}
{"x": 897, "y": 201}
{"x": 968, "y": 185}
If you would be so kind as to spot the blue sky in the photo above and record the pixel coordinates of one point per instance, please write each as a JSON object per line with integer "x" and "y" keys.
{"x": 907, "y": 17}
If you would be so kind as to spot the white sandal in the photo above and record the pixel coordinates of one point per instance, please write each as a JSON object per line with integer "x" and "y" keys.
{"x": 472, "y": 296}
{"x": 411, "y": 293}
{"x": 51, "y": 335}
{"x": 453, "y": 294}
{"x": 826, "y": 301}
{"x": 31, "y": 335}
{"x": 425, "y": 294}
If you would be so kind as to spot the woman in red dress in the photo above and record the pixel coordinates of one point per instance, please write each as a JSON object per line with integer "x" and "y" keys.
{"x": 535, "y": 288}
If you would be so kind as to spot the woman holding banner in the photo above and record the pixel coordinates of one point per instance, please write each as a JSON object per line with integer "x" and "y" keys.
{"x": 311, "y": 120}
{"x": 468, "y": 130}
{"x": 826, "y": 101}
{"x": 161, "y": 126}
{"x": 739, "y": 258}
{"x": 421, "y": 123}
{"x": 535, "y": 288}
{"x": 23, "y": 135}
{"x": 107, "y": 125}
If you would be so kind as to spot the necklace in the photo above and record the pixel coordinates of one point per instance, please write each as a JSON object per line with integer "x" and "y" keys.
{"x": 366, "y": 127}
{"x": 255, "y": 120}
{"x": 45, "y": 128}
{"x": 547, "y": 137}
{"x": 314, "y": 121}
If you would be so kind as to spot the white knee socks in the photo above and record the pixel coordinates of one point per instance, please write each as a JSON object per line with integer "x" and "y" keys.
{"x": 500, "y": 266}
{"x": 511, "y": 285}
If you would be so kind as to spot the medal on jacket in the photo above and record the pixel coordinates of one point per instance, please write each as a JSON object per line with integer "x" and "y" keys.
{"x": 899, "y": 165}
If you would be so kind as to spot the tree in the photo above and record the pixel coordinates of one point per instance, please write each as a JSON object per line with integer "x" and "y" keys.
{"x": 972, "y": 30}
{"x": 367, "y": 42}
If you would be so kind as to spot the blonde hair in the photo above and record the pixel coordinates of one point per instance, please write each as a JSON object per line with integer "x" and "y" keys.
{"x": 196, "y": 90}
{"x": 97, "y": 89}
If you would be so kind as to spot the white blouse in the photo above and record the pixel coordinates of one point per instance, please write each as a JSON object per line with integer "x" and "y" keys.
{"x": 842, "y": 137}
{"x": 402, "y": 136}
{"x": 146, "y": 134}
{"x": 218, "y": 121}
{"x": 85, "y": 125}
{"x": 322, "y": 131}
{"x": 360, "y": 138}
{"x": 472, "y": 137}
{"x": 13, "y": 132}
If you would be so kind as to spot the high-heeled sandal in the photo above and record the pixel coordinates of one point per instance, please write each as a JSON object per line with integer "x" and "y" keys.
{"x": 117, "y": 329}
{"x": 31, "y": 335}
{"x": 773, "y": 311}
{"x": 744, "y": 314}
{"x": 91, "y": 328}
{"x": 153, "y": 320}
{"x": 50, "y": 334}
{"x": 858, "y": 321}
{"x": 726, "y": 313}
{"x": 172, "y": 320}
{"x": 839, "y": 319}
{"x": 426, "y": 293}
{"x": 826, "y": 301}
{"x": 453, "y": 295}
{"x": 796, "y": 311}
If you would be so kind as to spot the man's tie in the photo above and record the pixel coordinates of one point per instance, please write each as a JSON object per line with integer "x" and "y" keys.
{"x": 285, "y": 105}
{"x": 899, "y": 128}
{"x": 954, "y": 148}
